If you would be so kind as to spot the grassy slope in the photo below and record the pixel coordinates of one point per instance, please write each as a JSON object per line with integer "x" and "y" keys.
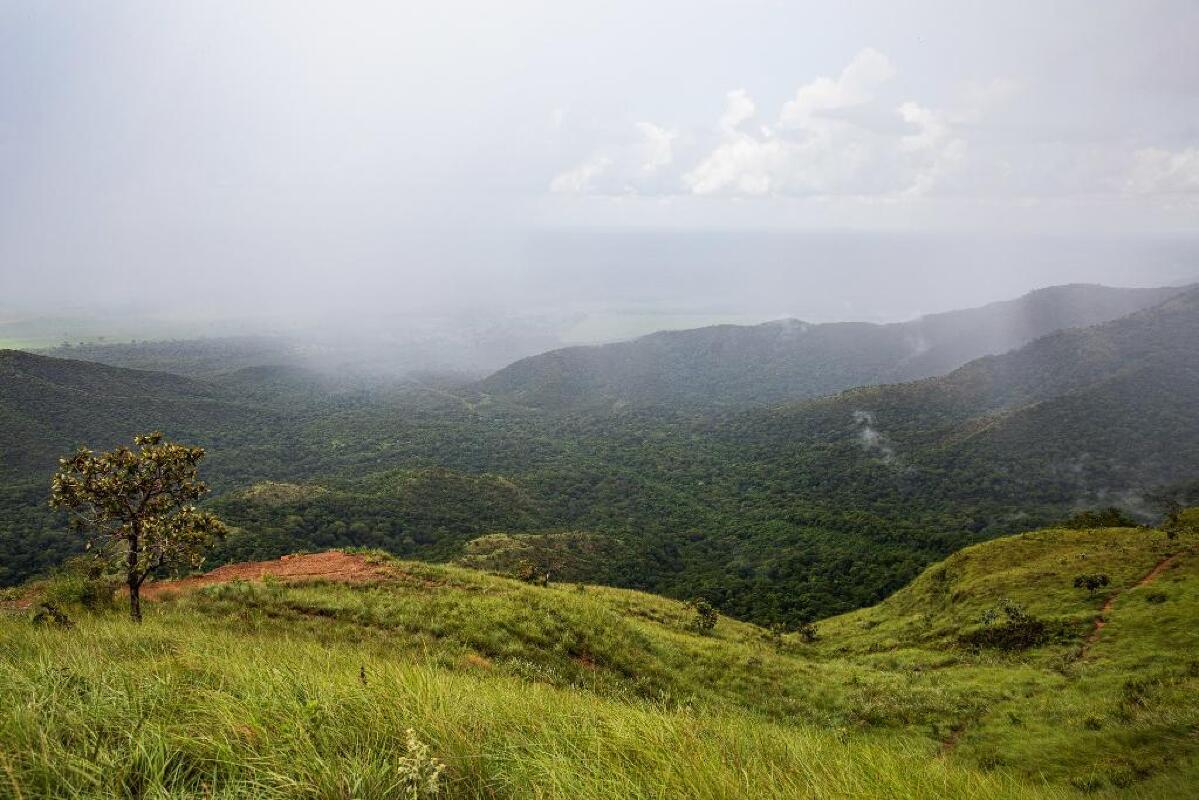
{"x": 1111, "y": 714}
{"x": 595, "y": 693}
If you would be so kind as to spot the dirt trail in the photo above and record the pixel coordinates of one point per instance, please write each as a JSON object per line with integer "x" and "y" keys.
{"x": 333, "y": 565}
{"x": 1101, "y": 620}
{"x": 951, "y": 741}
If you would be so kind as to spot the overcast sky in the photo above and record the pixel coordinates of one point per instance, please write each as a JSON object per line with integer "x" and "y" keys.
{"x": 410, "y": 152}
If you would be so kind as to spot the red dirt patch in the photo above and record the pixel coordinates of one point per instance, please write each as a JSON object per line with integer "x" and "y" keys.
{"x": 333, "y": 565}
{"x": 20, "y": 604}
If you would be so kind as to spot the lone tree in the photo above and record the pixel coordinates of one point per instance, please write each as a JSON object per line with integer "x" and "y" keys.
{"x": 1091, "y": 583}
{"x": 135, "y": 507}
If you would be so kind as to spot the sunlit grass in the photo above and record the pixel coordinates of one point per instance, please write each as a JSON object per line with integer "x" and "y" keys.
{"x": 176, "y": 709}
{"x": 266, "y": 690}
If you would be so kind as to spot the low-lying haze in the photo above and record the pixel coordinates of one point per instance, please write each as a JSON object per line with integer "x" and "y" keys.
{"x": 543, "y": 173}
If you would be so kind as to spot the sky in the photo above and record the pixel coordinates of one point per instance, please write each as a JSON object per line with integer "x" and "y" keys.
{"x": 719, "y": 158}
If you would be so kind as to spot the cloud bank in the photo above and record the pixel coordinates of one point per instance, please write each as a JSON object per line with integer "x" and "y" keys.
{"x": 858, "y": 134}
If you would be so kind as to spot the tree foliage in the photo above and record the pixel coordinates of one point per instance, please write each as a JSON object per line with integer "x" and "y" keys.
{"x": 1092, "y": 582}
{"x": 135, "y": 506}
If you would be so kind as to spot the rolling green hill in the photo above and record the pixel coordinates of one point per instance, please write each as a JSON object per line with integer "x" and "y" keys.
{"x": 732, "y": 366}
{"x": 571, "y": 691}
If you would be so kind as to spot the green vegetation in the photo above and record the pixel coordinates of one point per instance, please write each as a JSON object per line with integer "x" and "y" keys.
{"x": 779, "y": 515}
{"x": 530, "y": 691}
{"x": 135, "y": 506}
{"x": 1110, "y": 517}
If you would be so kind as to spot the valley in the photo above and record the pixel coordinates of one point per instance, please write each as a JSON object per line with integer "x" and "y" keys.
{"x": 892, "y": 575}
{"x": 779, "y": 514}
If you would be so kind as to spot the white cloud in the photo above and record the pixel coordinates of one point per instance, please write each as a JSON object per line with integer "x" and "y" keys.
{"x": 631, "y": 167}
{"x": 579, "y": 180}
{"x": 837, "y": 137}
{"x": 1159, "y": 171}
{"x": 738, "y": 108}
{"x": 741, "y": 165}
{"x": 657, "y": 146}
{"x": 933, "y": 151}
{"x": 856, "y": 85}
{"x": 842, "y": 136}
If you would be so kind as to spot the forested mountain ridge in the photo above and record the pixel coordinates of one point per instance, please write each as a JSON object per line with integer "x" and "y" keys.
{"x": 195, "y": 358}
{"x": 731, "y": 366}
{"x": 1083, "y": 416}
{"x": 1143, "y": 369}
{"x": 802, "y": 510}
{"x": 49, "y": 406}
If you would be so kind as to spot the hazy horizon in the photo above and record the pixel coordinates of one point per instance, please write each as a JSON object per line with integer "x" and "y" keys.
{"x": 561, "y": 174}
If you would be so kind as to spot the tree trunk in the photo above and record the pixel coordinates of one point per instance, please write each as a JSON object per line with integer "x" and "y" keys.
{"x": 135, "y": 602}
{"x": 132, "y": 579}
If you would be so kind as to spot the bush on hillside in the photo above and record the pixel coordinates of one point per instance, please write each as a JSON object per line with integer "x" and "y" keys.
{"x": 1181, "y": 520}
{"x": 1091, "y": 582}
{"x": 50, "y": 614}
{"x": 1110, "y": 517}
{"x": 527, "y": 571}
{"x": 1019, "y": 630}
{"x": 705, "y": 615}
{"x": 82, "y": 581}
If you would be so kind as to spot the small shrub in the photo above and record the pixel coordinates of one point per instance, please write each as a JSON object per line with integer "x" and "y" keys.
{"x": 1087, "y": 783}
{"x": 50, "y": 614}
{"x": 1020, "y": 631}
{"x": 235, "y": 591}
{"x": 1181, "y": 520}
{"x": 776, "y": 633}
{"x": 1156, "y": 597}
{"x": 525, "y": 570}
{"x": 419, "y": 772}
{"x": 82, "y": 581}
{"x": 705, "y": 615}
{"x": 808, "y": 632}
{"x": 1092, "y": 582}
{"x": 272, "y": 587}
{"x": 1137, "y": 693}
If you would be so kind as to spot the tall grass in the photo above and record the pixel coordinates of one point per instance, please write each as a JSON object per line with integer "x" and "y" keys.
{"x": 177, "y": 708}
{"x": 266, "y": 690}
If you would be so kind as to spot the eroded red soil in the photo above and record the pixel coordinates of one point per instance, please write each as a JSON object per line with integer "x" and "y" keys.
{"x": 333, "y": 565}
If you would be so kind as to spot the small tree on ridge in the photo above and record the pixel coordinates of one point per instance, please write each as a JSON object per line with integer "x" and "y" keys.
{"x": 135, "y": 507}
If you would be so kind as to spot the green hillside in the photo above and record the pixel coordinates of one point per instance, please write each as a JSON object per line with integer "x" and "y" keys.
{"x": 730, "y": 366}
{"x": 572, "y": 691}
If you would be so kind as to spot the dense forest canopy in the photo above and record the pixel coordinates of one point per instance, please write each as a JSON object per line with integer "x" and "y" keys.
{"x": 782, "y": 513}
